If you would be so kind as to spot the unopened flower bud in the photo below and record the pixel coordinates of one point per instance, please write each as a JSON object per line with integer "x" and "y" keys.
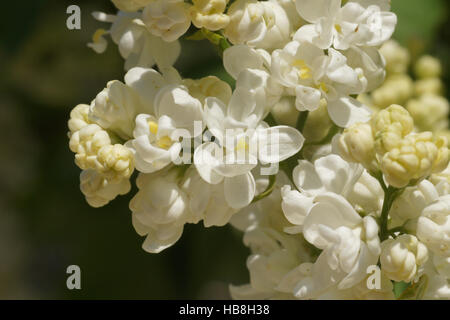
{"x": 115, "y": 162}
{"x": 401, "y": 258}
{"x": 356, "y": 144}
{"x": 86, "y": 143}
{"x": 415, "y": 158}
{"x": 428, "y": 67}
{"x": 397, "y": 57}
{"x": 284, "y": 111}
{"x": 78, "y": 118}
{"x": 130, "y": 5}
{"x": 99, "y": 190}
{"x": 210, "y": 86}
{"x": 389, "y": 126}
{"x": 430, "y": 112}
{"x": 318, "y": 123}
{"x": 397, "y": 89}
{"x": 429, "y": 86}
{"x": 209, "y": 14}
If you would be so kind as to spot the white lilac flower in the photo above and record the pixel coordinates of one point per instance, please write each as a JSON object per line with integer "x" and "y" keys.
{"x": 437, "y": 272}
{"x": 100, "y": 190}
{"x": 206, "y": 202}
{"x": 167, "y": 19}
{"x": 251, "y": 68}
{"x": 433, "y": 226}
{"x": 136, "y": 44}
{"x": 311, "y": 75}
{"x": 357, "y": 23}
{"x": 329, "y": 174}
{"x": 350, "y": 245}
{"x": 259, "y": 24}
{"x": 408, "y": 207}
{"x": 243, "y": 140}
{"x": 158, "y": 138}
{"x": 160, "y": 209}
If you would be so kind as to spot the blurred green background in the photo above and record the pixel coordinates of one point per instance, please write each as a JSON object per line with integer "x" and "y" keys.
{"x": 45, "y": 223}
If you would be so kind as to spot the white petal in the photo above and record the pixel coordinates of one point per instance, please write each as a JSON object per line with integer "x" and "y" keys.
{"x": 205, "y": 160}
{"x": 336, "y": 174}
{"x": 347, "y": 111}
{"x": 153, "y": 244}
{"x": 240, "y": 190}
{"x": 147, "y": 83}
{"x": 332, "y": 211}
{"x": 306, "y": 178}
{"x": 178, "y": 104}
{"x": 278, "y": 143}
{"x": 238, "y": 58}
{"x": 244, "y": 107}
{"x": 313, "y": 10}
{"x": 295, "y": 205}
{"x": 307, "y": 98}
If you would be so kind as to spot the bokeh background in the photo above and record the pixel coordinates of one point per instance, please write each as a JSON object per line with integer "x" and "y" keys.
{"x": 45, "y": 223}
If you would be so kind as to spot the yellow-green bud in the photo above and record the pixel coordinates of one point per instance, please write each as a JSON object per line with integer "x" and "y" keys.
{"x": 389, "y": 126}
{"x": 429, "y": 86}
{"x": 428, "y": 67}
{"x": 430, "y": 112}
{"x": 397, "y": 57}
{"x": 396, "y": 89}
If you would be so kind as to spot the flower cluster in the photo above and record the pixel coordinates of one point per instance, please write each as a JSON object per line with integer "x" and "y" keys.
{"x": 357, "y": 189}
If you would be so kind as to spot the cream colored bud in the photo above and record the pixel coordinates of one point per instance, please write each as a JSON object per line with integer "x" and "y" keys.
{"x": 402, "y": 258}
{"x": 78, "y": 118}
{"x": 318, "y": 123}
{"x": 284, "y": 111}
{"x": 430, "y": 112}
{"x": 209, "y": 14}
{"x": 415, "y": 158}
{"x": 115, "y": 162}
{"x": 210, "y": 86}
{"x": 389, "y": 126}
{"x": 130, "y": 5}
{"x": 397, "y": 89}
{"x": 356, "y": 144}
{"x": 442, "y": 159}
{"x": 98, "y": 190}
{"x": 429, "y": 86}
{"x": 397, "y": 57}
{"x": 86, "y": 143}
{"x": 428, "y": 67}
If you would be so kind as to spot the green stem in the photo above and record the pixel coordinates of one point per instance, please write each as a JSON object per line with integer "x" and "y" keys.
{"x": 389, "y": 196}
{"x": 268, "y": 191}
{"x": 301, "y": 120}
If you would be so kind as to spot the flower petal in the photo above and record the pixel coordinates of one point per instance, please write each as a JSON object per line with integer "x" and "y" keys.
{"x": 278, "y": 143}
{"x": 240, "y": 190}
